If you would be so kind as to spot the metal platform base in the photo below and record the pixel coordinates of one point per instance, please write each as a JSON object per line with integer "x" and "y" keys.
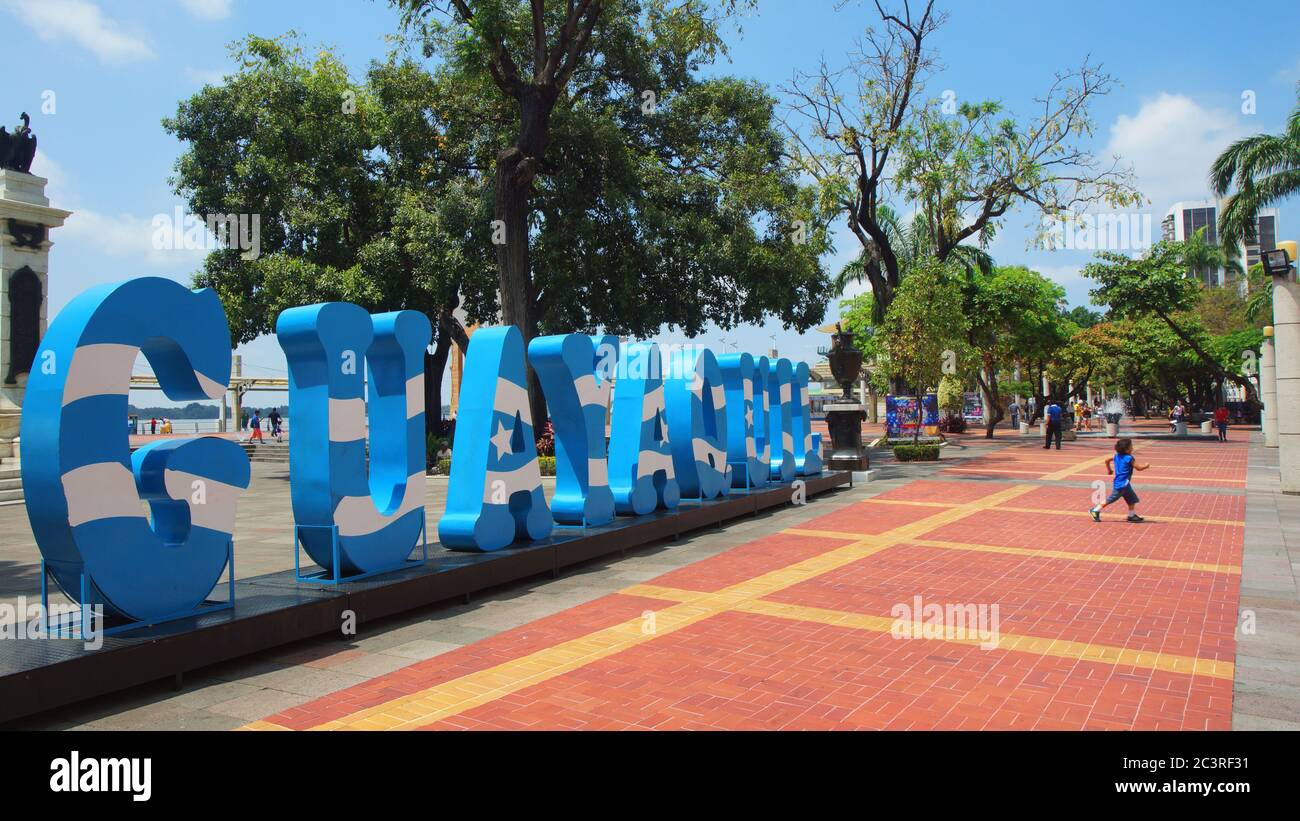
{"x": 276, "y": 609}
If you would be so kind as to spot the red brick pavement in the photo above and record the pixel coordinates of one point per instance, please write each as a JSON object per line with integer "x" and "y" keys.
{"x": 793, "y": 629}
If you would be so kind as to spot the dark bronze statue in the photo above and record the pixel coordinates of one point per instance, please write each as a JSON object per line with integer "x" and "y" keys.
{"x": 17, "y": 150}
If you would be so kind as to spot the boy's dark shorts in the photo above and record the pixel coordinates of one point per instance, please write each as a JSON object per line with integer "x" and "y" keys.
{"x": 1126, "y": 493}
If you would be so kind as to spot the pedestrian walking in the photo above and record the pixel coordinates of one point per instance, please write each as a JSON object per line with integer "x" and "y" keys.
{"x": 1052, "y": 415}
{"x": 255, "y": 427}
{"x": 1221, "y": 422}
{"x": 275, "y": 423}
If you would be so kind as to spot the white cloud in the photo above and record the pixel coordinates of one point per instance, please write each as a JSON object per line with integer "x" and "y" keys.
{"x": 208, "y": 9}
{"x": 128, "y": 236}
{"x": 1172, "y": 141}
{"x": 84, "y": 23}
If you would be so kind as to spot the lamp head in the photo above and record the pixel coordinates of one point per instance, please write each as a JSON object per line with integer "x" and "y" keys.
{"x": 1280, "y": 262}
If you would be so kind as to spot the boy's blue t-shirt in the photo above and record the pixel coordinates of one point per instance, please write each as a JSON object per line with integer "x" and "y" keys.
{"x": 1054, "y": 412}
{"x": 1123, "y": 469}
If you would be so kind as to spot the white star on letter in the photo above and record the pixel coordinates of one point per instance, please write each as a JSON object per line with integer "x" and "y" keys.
{"x": 501, "y": 440}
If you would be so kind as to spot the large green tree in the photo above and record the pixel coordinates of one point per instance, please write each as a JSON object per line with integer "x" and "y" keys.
{"x": 679, "y": 213}
{"x": 924, "y": 332}
{"x": 1157, "y": 285}
{"x": 868, "y": 131}
{"x": 627, "y": 190}
{"x": 359, "y": 187}
{"x": 1015, "y": 323}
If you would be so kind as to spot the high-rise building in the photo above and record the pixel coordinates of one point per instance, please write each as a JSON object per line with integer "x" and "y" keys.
{"x": 1184, "y": 219}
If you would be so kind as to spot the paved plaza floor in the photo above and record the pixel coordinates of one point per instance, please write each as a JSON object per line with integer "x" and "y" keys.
{"x": 792, "y": 619}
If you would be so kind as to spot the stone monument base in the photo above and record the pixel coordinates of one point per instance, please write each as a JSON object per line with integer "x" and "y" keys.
{"x": 844, "y": 420}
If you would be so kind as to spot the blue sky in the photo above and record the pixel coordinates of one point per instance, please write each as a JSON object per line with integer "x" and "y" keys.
{"x": 97, "y": 76}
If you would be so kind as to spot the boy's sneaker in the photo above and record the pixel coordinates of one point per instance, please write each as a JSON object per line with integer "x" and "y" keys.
{"x": 1095, "y": 514}
{"x": 1136, "y": 518}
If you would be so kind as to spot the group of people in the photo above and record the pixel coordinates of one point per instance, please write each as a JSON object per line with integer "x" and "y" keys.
{"x": 157, "y": 426}
{"x": 1054, "y": 415}
{"x": 255, "y": 426}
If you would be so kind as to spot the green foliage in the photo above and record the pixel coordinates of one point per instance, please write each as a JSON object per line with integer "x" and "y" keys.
{"x": 379, "y": 190}
{"x": 545, "y": 463}
{"x": 1203, "y": 257}
{"x": 952, "y": 395}
{"x": 1157, "y": 285}
{"x": 1083, "y": 316}
{"x": 866, "y": 132}
{"x": 916, "y": 453}
{"x": 1260, "y": 170}
{"x": 924, "y": 324}
{"x": 354, "y": 185}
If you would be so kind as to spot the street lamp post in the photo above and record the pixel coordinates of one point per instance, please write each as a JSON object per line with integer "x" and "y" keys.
{"x": 1268, "y": 388}
{"x": 1280, "y": 266}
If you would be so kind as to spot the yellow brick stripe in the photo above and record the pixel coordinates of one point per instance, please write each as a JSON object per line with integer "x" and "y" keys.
{"x": 472, "y": 690}
{"x": 1037, "y": 645}
{"x": 1192, "y": 520}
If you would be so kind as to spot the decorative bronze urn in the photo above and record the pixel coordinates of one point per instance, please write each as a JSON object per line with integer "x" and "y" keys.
{"x": 844, "y": 418}
{"x": 845, "y": 360}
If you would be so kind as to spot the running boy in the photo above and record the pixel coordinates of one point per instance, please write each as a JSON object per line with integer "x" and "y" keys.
{"x": 1124, "y": 467}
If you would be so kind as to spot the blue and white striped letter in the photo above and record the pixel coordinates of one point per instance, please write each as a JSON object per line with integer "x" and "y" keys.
{"x": 330, "y": 348}
{"x": 494, "y": 496}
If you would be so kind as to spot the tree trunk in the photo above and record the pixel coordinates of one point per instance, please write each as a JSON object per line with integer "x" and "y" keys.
{"x": 516, "y": 168}
{"x": 434, "y": 364}
{"x": 920, "y": 417}
{"x": 992, "y": 401}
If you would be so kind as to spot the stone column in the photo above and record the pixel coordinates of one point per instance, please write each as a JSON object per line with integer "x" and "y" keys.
{"x": 237, "y": 391}
{"x": 1286, "y": 360}
{"x": 25, "y": 222}
{"x": 1268, "y": 389}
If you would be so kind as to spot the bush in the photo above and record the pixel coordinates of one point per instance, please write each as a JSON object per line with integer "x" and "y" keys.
{"x": 952, "y": 424}
{"x": 546, "y": 463}
{"x": 916, "y": 453}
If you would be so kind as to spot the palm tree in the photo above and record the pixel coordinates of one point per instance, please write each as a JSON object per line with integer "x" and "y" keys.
{"x": 1202, "y": 258}
{"x": 1264, "y": 169}
{"x": 1259, "y": 299}
{"x": 911, "y": 244}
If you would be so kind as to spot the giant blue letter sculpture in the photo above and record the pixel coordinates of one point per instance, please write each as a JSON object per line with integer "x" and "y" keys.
{"x": 807, "y": 445}
{"x": 576, "y": 372}
{"x": 780, "y": 419}
{"x": 745, "y": 421}
{"x": 494, "y": 495}
{"x": 696, "y": 405}
{"x": 641, "y": 471}
{"x": 83, "y": 487}
{"x": 351, "y": 524}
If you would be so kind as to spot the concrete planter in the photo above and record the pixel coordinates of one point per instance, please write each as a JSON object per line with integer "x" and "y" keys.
{"x": 1207, "y": 426}
{"x": 1112, "y": 429}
